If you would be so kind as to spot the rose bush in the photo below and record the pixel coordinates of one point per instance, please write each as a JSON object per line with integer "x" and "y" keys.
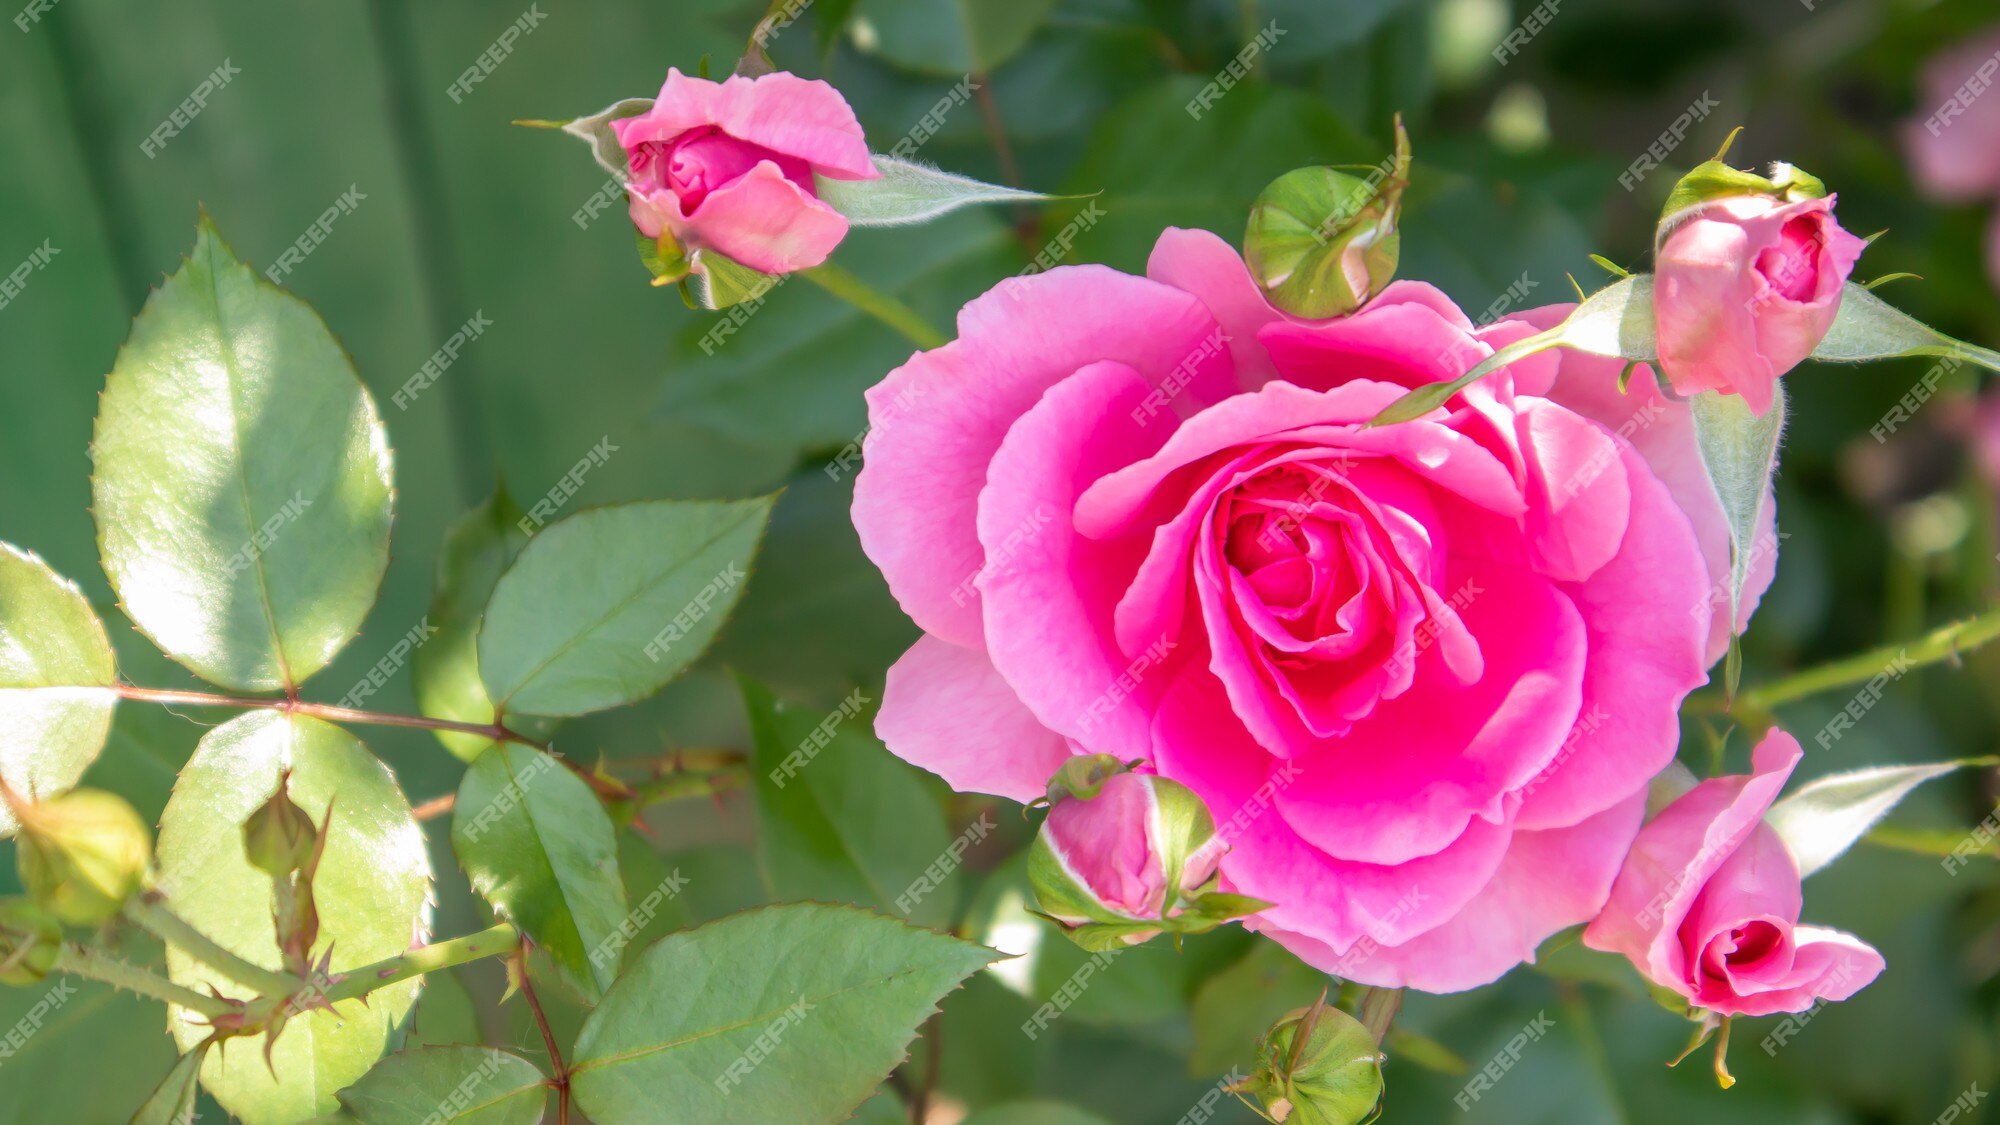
{"x": 1708, "y": 903}
{"x": 1745, "y": 288}
{"x": 729, "y": 166}
{"x": 1421, "y": 673}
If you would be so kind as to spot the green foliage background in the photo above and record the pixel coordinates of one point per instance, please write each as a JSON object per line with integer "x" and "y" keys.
{"x": 1518, "y": 171}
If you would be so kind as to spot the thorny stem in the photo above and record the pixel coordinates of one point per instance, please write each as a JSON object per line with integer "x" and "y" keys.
{"x": 83, "y": 961}
{"x": 489, "y": 942}
{"x": 561, "y": 1077}
{"x": 150, "y": 911}
{"x": 330, "y": 712}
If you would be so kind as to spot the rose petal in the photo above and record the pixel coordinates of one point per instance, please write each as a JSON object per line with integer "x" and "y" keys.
{"x": 797, "y": 116}
{"x": 764, "y": 221}
{"x": 945, "y": 708}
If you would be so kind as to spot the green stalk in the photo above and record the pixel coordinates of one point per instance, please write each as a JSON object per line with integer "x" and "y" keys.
{"x": 1940, "y": 644}
{"x": 84, "y": 961}
{"x": 875, "y": 303}
{"x": 150, "y": 911}
{"x": 490, "y": 942}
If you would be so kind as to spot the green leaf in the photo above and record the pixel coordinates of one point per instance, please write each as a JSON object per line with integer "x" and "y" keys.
{"x": 1034, "y": 1113}
{"x": 478, "y": 549}
{"x": 455, "y": 1085}
{"x": 173, "y": 1102}
{"x": 1867, "y": 327}
{"x": 1233, "y": 1008}
{"x": 372, "y": 888}
{"x": 1740, "y": 450}
{"x": 1824, "y": 817}
{"x": 605, "y": 607}
{"x": 537, "y": 844}
{"x": 963, "y": 37}
{"x": 53, "y": 658}
{"x": 840, "y": 818}
{"x": 911, "y": 191}
{"x": 791, "y": 1013}
{"x": 242, "y": 486}
{"x": 1617, "y": 320}
{"x": 595, "y": 131}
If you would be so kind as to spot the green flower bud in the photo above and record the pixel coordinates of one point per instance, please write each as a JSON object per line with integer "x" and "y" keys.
{"x": 81, "y": 855}
{"x": 30, "y": 941}
{"x": 279, "y": 837}
{"x": 1318, "y": 1066}
{"x": 1123, "y": 856}
{"x": 1321, "y": 242}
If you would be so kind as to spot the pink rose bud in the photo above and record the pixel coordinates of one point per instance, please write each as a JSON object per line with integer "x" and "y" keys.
{"x": 1747, "y": 279}
{"x": 729, "y": 166}
{"x": 1135, "y": 856}
{"x": 1707, "y": 905}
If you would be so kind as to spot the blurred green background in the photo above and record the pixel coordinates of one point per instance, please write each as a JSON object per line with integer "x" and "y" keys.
{"x": 1518, "y": 178}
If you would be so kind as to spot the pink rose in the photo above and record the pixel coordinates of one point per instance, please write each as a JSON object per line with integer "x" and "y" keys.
{"x": 1746, "y": 288}
{"x": 729, "y": 166}
{"x": 1420, "y": 674}
{"x": 1708, "y": 903}
{"x": 1954, "y": 140}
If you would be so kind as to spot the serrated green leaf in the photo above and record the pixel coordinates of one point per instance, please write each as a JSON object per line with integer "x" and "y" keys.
{"x": 173, "y": 1102}
{"x": 605, "y": 607}
{"x": 1617, "y": 320}
{"x": 478, "y": 549}
{"x": 54, "y": 658}
{"x": 1740, "y": 450}
{"x": 453, "y": 1085}
{"x": 537, "y": 844}
{"x": 1824, "y": 817}
{"x": 839, "y": 817}
{"x": 242, "y": 484}
{"x": 966, "y": 37}
{"x": 909, "y": 191}
{"x": 372, "y": 887}
{"x": 790, "y": 1013}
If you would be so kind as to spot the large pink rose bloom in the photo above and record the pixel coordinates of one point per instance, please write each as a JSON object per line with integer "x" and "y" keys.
{"x": 1953, "y": 139}
{"x": 1744, "y": 289}
{"x": 1420, "y": 673}
{"x": 1708, "y": 903}
{"x": 729, "y": 166}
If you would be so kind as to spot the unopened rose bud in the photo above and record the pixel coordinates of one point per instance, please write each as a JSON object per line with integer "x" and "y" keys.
{"x": 1318, "y": 1066}
{"x": 1321, "y": 241}
{"x": 1135, "y": 857}
{"x": 81, "y": 855}
{"x": 1748, "y": 276}
{"x": 279, "y": 836}
{"x": 30, "y": 940}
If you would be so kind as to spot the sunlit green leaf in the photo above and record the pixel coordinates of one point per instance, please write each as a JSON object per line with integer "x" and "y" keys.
{"x": 372, "y": 888}
{"x": 242, "y": 486}
{"x": 54, "y": 661}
